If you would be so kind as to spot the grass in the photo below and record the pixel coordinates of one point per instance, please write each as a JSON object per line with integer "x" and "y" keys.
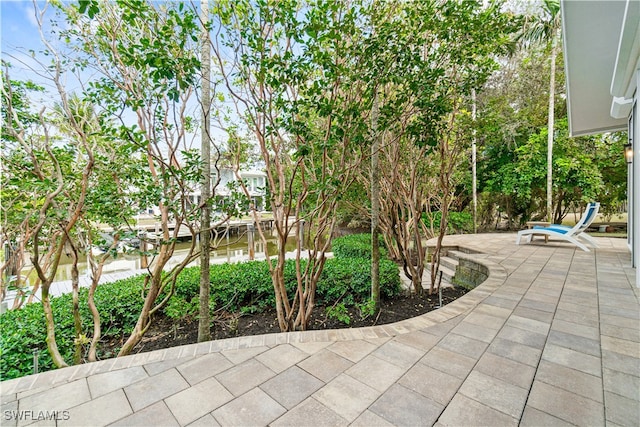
{"x": 617, "y": 235}
{"x": 600, "y": 219}
{"x": 570, "y": 220}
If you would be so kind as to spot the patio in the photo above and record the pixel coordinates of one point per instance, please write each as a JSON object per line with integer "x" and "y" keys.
{"x": 551, "y": 338}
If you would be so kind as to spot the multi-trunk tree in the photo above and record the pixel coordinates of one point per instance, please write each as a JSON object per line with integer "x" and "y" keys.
{"x": 425, "y": 58}
{"x": 289, "y": 71}
{"x": 147, "y": 60}
{"x": 57, "y": 175}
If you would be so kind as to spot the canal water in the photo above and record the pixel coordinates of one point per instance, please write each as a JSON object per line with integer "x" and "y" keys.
{"x": 237, "y": 249}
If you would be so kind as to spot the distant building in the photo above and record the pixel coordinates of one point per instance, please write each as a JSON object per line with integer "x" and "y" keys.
{"x": 254, "y": 181}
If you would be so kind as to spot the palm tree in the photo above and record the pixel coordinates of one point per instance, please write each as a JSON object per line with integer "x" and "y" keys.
{"x": 545, "y": 30}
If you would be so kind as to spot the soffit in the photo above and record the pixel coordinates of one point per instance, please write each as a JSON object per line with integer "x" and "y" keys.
{"x": 591, "y": 35}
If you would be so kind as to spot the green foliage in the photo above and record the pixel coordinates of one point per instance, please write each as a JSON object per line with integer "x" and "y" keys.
{"x": 576, "y": 177}
{"x": 367, "y": 309}
{"x": 248, "y": 287}
{"x": 340, "y": 313}
{"x": 24, "y": 330}
{"x": 355, "y": 246}
{"x": 245, "y": 287}
{"x": 457, "y": 222}
{"x": 347, "y": 277}
{"x": 178, "y": 308}
{"x": 350, "y": 279}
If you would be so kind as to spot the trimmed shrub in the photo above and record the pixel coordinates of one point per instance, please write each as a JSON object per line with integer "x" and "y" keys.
{"x": 247, "y": 286}
{"x": 242, "y": 286}
{"x": 350, "y": 279}
{"x": 24, "y": 330}
{"x": 355, "y": 246}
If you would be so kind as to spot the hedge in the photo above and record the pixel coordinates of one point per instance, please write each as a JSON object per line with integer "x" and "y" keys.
{"x": 457, "y": 223}
{"x": 24, "y": 330}
{"x": 355, "y": 246}
{"x": 243, "y": 286}
{"x": 247, "y": 286}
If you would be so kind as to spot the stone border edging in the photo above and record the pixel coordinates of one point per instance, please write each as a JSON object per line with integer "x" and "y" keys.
{"x": 496, "y": 277}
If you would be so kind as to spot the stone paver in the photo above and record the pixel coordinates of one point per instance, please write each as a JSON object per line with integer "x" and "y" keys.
{"x": 463, "y": 411}
{"x": 573, "y": 359}
{"x": 515, "y": 351}
{"x": 534, "y": 418}
{"x": 107, "y": 382}
{"x": 431, "y": 383}
{"x": 252, "y": 408}
{"x": 310, "y": 412}
{"x": 244, "y": 377}
{"x": 569, "y": 379}
{"x": 291, "y": 386}
{"x": 552, "y": 337}
{"x": 203, "y": 367}
{"x": 565, "y": 405}
{"x": 281, "y": 357}
{"x": 107, "y": 408}
{"x": 495, "y": 393}
{"x": 194, "y": 402}
{"x": 403, "y": 407}
{"x": 346, "y": 396}
{"x": 386, "y": 373}
{"x": 153, "y": 389}
{"x": 154, "y": 415}
{"x": 507, "y": 370}
{"x": 57, "y": 399}
{"x": 325, "y": 365}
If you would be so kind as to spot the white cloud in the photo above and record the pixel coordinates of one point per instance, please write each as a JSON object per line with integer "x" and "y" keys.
{"x": 29, "y": 14}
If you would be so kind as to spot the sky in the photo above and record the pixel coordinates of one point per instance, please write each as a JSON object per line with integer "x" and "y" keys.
{"x": 20, "y": 36}
{"x": 19, "y": 26}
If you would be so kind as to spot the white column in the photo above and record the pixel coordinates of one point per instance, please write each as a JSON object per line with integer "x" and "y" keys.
{"x": 636, "y": 184}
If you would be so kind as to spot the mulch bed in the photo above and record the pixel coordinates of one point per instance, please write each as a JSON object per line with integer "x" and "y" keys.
{"x": 166, "y": 332}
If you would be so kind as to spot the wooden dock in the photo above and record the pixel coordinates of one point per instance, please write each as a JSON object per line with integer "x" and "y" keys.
{"x": 151, "y": 227}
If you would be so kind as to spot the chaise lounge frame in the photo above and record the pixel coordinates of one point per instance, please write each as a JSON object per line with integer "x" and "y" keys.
{"x": 570, "y": 234}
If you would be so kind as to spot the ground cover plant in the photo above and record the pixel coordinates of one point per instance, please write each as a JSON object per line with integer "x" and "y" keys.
{"x": 241, "y": 303}
{"x": 240, "y": 288}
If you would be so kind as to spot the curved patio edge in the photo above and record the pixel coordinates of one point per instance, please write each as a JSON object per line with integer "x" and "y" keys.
{"x": 497, "y": 276}
{"x": 510, "y": 352}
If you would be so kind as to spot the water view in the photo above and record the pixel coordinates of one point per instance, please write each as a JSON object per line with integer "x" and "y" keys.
{"x": 236, "y": 250}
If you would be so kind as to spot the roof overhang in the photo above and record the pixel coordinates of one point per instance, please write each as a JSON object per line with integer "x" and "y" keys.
{"x": 601, "y": 54}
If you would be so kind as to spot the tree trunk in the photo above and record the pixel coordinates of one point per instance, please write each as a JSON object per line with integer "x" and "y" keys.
{"x": 52, "y": 345}
{"x": 550, "y": 126}
{"x": 474, "y": 174}
{"x": 95, "y": 314}
{"x": 204, "y": 320}
{"x": 375, "y": 208}
{"x": 144, "y": 319}
{"x": 77, "y": 321}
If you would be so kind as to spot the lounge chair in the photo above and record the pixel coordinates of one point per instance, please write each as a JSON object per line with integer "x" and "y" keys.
{"x": 573, "y": 234}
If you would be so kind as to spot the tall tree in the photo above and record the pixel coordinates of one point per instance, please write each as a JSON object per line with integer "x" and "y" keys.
{"x": 62, "y": 161}
{"x": 204, "y": 320}
{"x": 288, "y": 70}
{"x": 427, "y": 56}
{"x": 545, "y": 29}
{"x": 575, "y": 161}
{"x": 146, "y": 62}
{"x": 375, "y": 205}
